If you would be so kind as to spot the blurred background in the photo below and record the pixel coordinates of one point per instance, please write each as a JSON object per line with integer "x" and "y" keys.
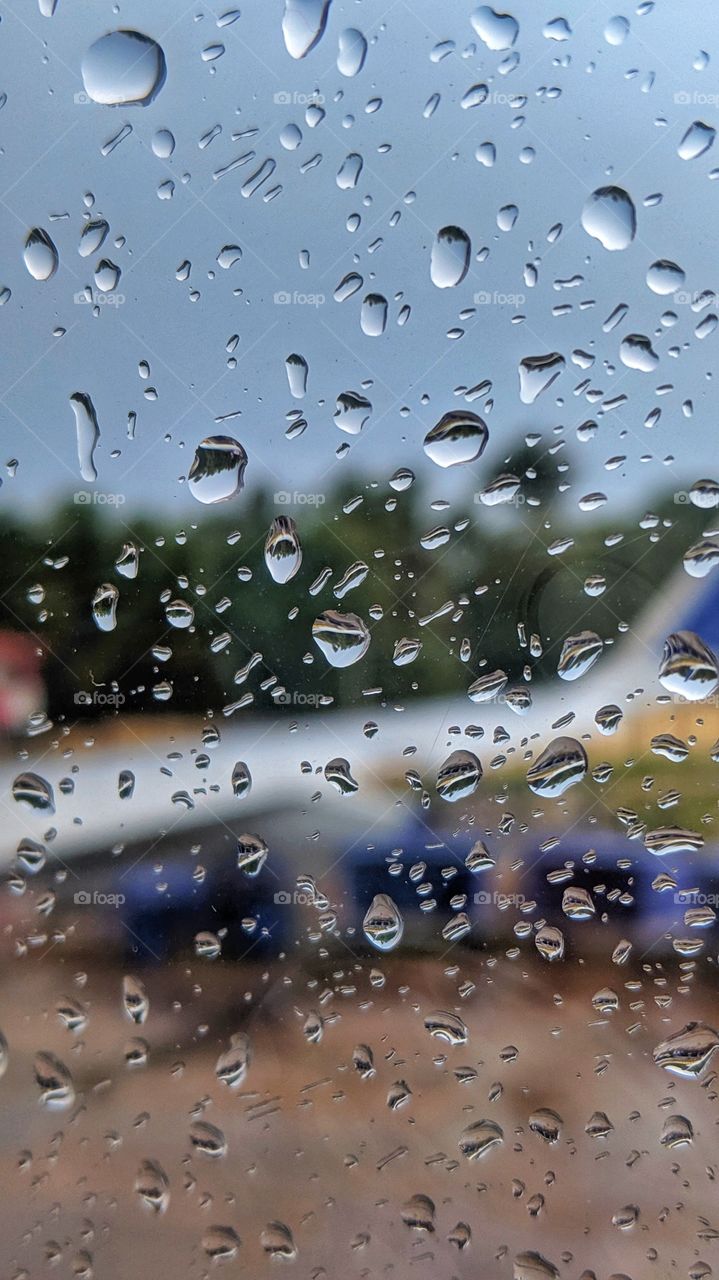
{"x": 313, "y": 958}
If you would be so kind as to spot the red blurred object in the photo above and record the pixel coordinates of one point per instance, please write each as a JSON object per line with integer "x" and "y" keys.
{"x": 22, "y": 689}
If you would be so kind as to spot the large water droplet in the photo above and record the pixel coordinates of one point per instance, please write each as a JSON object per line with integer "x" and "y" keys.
{"x": 610, "y": 217}
{"x": 698, "y": 138}
{"x": 419, "y": 1213}
{"x": 479, "y": 1138}
{"x": 352, "y": 52}
{"x": 163, "y": 144}
{"x": 128, "y": 561}
{"x": 218, "y": 469}
{"x": 671, "y": 841}
{"x": 241, "y": 779}
{"x": 616, "y": 30}
{"x": 549, "y": 941}
{"x": 34, "y": 791}
{"x": 533, "y": 1266}
{"x": 677, "y": 1131}
{"x": 546, "y": 1123}
{"x": 54, "y": 1080}
{"x": 349, "y": 172}
{"x": 92, "y": 237}
{"x": 296, "y": 367}
{"x": 687, "y": 1052}
{"x": 498, "y": 30}
{"x": 220, "y": 1243}
{"x": 352, "y": 412}
{"x": 123, "y": 68}
{"x": 701, "y": 558}
{"x": 107, "y": 275}
{"x": 448, "y": 1027}
{"x": 303, "y": 25}
{"x": 40, "y": 255}
{"x": 207, "y": 1139}
{"x": 485, "y": 688}
{"x": 459, "y": 436}
{"x": 343, "y": 638}
{"x": 562, "y": 764}
{"x": 179, "y": 614}
{"x": 104, "y": 606}
{"x": 536, "y": 373}
{"x": 232, "y": 1065}
{"x": 579, "y": 653}
{"x": 704, "y": 494}
{"x": 665, "y": 277}
{"x": 688, "y": 666}
{"x": 636, "y": 352}
{"x": 152, "y": 1186}
{"x": 277, "y": 1241}
{"x": 88, "y": 433}
{"x": 459, "y": 776}
{"x": 337, "y": 772}
{"x": 135, "y": 999}
{"x": 252, "y": 852}
{"x": 578, "y": 903}
{"x": 449, "y": 261}
{"x": 383, "y": 924}
{"x": 283, "y": 553}
{"x": 373, "y": 316}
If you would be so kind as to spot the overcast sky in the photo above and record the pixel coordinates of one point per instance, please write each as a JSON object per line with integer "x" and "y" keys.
{"x": 609, "y": 124}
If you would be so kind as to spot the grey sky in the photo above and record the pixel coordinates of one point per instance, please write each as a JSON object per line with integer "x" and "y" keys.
{"x": 604, "y": 128}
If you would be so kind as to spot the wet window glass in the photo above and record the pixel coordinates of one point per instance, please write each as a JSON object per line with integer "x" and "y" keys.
{"x": 359, "y": 641}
